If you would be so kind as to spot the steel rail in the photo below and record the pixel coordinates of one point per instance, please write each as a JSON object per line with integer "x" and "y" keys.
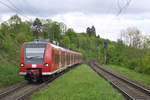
{"x": 25, "y": 90}
{"x": 124, "y": 81}
{"x": 11, "y": 89}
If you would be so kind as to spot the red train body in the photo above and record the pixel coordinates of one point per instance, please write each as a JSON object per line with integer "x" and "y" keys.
{"x": 42, "y": 59}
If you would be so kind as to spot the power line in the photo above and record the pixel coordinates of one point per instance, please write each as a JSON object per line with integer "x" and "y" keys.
{"x": 122, "y": 8}
{"x": 18, "y": 9}
{"x": 15, "y": 6}
{"x": 13, "y": 9}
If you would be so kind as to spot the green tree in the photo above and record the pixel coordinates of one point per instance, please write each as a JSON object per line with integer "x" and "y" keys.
{"x": 37, "y": 27}
{"x": 66, "y": 41}
{"x": 15, "y": 22}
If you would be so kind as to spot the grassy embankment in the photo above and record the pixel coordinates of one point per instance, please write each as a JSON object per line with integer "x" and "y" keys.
{"x": 9, "y": 73}
{"x": 141, "y": 77}
{"x": 79, "y": 84}
{"x": 9, "y": 64}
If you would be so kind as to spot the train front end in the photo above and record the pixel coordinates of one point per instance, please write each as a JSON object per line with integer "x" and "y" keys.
{"x": 35, "y": 60}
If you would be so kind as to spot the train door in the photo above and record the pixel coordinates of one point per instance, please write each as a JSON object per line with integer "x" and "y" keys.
{"x": 56, "y": 64}
{"x": 75, "y": 58}
{"x": 60, "y": 54}
{"x": 71, "y": 58}
{"x": 53, "y": 59}
{"x": 62, "y": 58}
{"x": 65, "y": 59}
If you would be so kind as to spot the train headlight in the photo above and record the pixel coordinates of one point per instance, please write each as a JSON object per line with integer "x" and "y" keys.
{"x": 46, "y": 65}
{"x": 22, "y": 65}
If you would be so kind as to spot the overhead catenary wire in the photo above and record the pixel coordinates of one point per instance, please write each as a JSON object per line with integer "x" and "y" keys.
{"x": 14, "y": 9}
{"x": 121, "y": 8}
{"x": 15, "y": 6}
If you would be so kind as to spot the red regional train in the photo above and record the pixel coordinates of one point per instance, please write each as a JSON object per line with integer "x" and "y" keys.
{"x": 40, "y": 59}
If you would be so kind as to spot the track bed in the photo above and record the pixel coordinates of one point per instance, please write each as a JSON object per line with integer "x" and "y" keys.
{"x": 130, "y": 89}
{"x": 24, "y": 90}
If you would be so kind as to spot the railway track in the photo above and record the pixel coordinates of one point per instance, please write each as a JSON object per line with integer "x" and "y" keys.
{"x": 132, "y": 90}
{"x": 11, "y": 89}
{"x": 24, "y": 90}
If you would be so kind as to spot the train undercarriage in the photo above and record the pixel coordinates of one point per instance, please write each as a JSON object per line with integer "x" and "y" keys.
{"x": 35, "y": 75}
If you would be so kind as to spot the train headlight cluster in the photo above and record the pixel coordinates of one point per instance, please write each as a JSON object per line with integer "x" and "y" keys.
{"x": 46, "y": 65}
{"x": 22, "y": 65}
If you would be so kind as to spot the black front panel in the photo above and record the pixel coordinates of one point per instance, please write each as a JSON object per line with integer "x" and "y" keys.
{"x": 34, "y": 53}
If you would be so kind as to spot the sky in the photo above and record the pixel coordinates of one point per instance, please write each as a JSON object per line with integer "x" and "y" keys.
{"x": 80, "y": 14}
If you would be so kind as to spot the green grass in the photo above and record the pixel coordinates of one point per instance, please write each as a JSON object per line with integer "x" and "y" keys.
{"x": 143, "y": 78}
{"x": 80, "y": 83}
{"x": 8, "y": 73}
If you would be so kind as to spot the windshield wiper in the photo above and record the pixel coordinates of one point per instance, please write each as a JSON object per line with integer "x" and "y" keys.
{"x": 29, "y": 58}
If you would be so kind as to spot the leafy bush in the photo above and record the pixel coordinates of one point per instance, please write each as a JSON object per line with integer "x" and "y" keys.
{"x": 21, "y": 37}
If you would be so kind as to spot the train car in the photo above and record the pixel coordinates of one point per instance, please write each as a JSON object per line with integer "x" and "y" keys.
{"x": 41, "y": 59}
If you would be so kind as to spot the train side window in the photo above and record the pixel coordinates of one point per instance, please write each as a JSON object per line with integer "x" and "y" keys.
{"x": 62, "y": 57}
{"x": 57, "y": 58}
{"x": 52, "y": 53}
{"x": 65, "y": 57}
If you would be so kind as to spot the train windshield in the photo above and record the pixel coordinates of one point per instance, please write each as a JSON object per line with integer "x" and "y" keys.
{"x": 34, "y": 53}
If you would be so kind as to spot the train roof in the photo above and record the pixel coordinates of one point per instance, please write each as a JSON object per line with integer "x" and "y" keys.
{"x": 52, "y": 44}
{"x": 64, "y": 49}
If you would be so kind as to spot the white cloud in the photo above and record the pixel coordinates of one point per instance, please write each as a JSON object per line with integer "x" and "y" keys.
{"x": 107, "y": 26}
{"x": 85, "y": 13}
